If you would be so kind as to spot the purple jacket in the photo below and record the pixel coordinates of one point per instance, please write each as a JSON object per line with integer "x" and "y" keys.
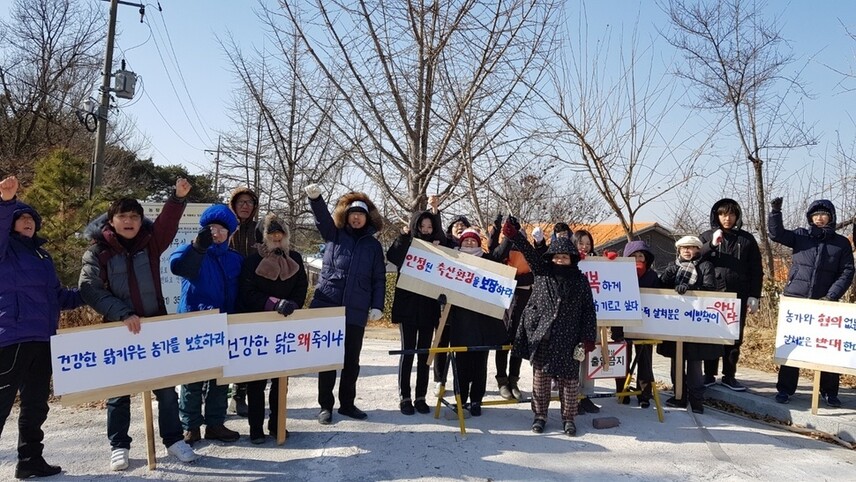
{"x": 31, "y": 296}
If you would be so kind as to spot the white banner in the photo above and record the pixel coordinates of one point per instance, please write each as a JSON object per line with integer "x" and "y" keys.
{"x": 615, "y": 288}
{"x": 617, "y": 366}
{"x": 816, "y": 334}
{"x": 98, "y": 357}
{"x": 697, "y": 316}
{"x": 268, "y": 344}
{"x": 188, "y": 228}
{"x": 480, "y": 284}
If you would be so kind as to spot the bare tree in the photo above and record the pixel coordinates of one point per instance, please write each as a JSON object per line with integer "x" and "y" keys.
{"x": 736, "y": 59}
{"x": 611, "y": 128}
{"x": 408, "y": 74}
{"x": 49, "y": 65}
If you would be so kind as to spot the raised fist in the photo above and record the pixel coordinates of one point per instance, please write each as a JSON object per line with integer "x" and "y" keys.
{"x": 776, "y": 204}
{"x": 182, "y": 187}
{"x": 8, "y": 188}
{"x": 538, "y": 234}
{"x": 313, "y": 191}
{"x": 508, "y": 229}
{"x": 497, "y": 222}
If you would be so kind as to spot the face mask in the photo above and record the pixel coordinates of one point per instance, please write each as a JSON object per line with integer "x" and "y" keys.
{"x": 475, "y": 250}
{"x": 640, "y": 268}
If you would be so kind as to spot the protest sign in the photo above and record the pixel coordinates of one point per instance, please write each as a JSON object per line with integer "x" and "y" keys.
{"x": 268, "y": 345}
{"x": 467, "y": 281}
{"x": 615, "y": 288}
{"x": 615, "y": 366}
{"x": 818, "y": 335}
{"x": 106, "y": 360}
{"x": 697, "y": 316}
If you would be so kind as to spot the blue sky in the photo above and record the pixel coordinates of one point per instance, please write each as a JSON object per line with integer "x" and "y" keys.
{"x": 185, "y": 35}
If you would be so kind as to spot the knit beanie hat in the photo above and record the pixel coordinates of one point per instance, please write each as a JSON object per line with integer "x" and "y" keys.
{"x": 470, "y": 233}
{"x": 358, "y": 206}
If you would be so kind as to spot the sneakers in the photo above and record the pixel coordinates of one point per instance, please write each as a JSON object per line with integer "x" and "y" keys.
{"x": 192, "y": 436}
{"x": 538, "y": 425}
{"x": 733, "y": 384}
{"x": 505, "y": 392}
{"x": 325, "y": 417}
{"x": 832, "y": 400}
{"x": 119, "y": 458}
{"x": 239, "y": 406}
{"x": 421, "y": 406}
{"x": 782, "y": 397}
{"x": 221, "y": 433}
{"x": 709, "y": 380}
{"x": 406, "y": 407}
{"x": 179, "y": 450}
{"x": 675, "y": 403}
{"x": 570, "y": 428}
{"x": 353, "y": 412}
{"x": 475, "y": 409}
{"x": 35, "y": 467}
{"x": 589, "y": 406}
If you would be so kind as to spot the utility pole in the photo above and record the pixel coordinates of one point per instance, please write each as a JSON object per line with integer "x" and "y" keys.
{"x": 217, "y": 165}
{"x": 97, "y": 171}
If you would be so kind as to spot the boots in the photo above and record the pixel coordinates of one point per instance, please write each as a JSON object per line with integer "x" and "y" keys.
{"x": 504, "y": 389}
{"x": 512, "y": 385}
{"x": 644, "y": 398}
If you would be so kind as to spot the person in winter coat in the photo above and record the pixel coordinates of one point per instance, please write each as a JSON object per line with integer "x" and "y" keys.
{"x": 584, "y": 242}
{"x": 454, "y": 230}
{"x": 209, "y": 270}
{"x": 644, "y": 353}
{"x": 245, "y": 204}
{"x": 354, "y": 276}
{"x": 120, "y": 279}
{"x": 557, "y": 323}
{"x": 689, "y": 272}
{"x": 736, "y": 260}
{"x": 31, "y": 298}
{"x": 821, "y": 269}
{"x": 416, "y": 315}
{"x": 508, "y": 367}
{"x": 272, "y": 279}
{"x": 470, "y": 328}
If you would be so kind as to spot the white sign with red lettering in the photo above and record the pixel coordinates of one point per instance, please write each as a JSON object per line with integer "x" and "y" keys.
{"x": 616, "y": 366}
{"x": 615, "y": 288}
{"x": 816, "y": 334}
{"x": 697, "y": 316}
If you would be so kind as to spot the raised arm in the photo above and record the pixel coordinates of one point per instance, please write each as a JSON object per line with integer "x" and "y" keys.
{"x": 776, "y": 228}
{"x": 8, "y": 203}
{"x": 166, "y": 225}
{"x": 323, "y": 219}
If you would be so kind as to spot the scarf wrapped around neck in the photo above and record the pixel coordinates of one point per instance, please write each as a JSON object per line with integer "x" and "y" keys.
{"x": 687, "y": 273}
{"x": 276, "y": 264}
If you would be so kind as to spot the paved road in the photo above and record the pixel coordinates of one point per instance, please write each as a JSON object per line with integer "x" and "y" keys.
{"x": 392, "y": 446}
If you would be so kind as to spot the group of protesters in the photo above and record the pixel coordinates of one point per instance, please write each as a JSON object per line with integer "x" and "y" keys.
{"x": 242, "y": 262}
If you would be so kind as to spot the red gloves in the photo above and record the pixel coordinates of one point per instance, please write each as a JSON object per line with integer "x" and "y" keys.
{"x": 510, "y": 228}
{"x": 610, "y": 255}
{"x": 589, "y": 346}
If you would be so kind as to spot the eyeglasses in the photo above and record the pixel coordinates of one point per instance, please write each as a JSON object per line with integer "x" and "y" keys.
{"x": 245, "y": 203}
{"x": 218, "y": 230}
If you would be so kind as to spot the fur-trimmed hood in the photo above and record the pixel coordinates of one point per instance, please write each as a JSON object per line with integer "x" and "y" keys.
{"x": 340, "y": 213}
{"x": 262, "y": 227}
{"x": 244, "y": 190}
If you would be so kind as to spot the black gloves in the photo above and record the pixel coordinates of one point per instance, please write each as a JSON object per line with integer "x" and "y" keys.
{"x": 285, "y": 307}
{"x": 497, "y": 223}
{"x": 203, "y": 240}
{"x": 776, "y": 204}
{"x": 682, "y": 288}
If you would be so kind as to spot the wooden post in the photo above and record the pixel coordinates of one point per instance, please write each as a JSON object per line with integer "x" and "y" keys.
{"x": 679, "y": 370}
{"x": 150, "y": 430}
{"x": 815, "y": 392}
{"x": 281, "y": 395}
{"x": 439, "y": 332}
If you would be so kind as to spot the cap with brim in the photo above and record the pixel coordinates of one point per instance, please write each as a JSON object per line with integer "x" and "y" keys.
{"x": 358, "y": 206}
{"x": 688, "y": 241}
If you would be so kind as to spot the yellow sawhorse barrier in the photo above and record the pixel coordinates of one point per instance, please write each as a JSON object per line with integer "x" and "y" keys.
{"x": 625, "y": 392}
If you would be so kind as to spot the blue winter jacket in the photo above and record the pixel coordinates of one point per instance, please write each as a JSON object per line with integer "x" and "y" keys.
{"x": 31, "y": 296}
{"x": 354, "y": 270}
{"x": 822, "y": 263}
{"x": 209, "y": 279}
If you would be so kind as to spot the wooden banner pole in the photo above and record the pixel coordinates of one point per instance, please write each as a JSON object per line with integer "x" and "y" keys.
{"x": 815, "y": 392}
{"x": 438, "y": 333}
{"x": 281, "y": 395}
{"x": 679, "y": 370}
{"x": 150, "y": 430}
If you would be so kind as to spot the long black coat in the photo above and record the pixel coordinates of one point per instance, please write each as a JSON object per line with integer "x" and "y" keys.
{"x": 254, "y": 290}
{"x": 737, "y": 259}
{"x": 555, "y": 319}
{"x": 470, "y": 328}
{"x": 411, "y": 308}
{"x": 705, "y": 281}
